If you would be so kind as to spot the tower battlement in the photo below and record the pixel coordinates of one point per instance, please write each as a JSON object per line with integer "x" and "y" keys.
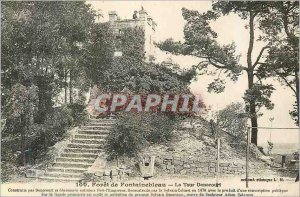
{"x": 139, "y": 19}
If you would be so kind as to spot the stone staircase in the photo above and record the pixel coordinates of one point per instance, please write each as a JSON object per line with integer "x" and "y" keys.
{"x": 80, "y": 154}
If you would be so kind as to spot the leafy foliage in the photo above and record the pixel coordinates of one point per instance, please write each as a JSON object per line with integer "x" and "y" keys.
{"x": 132, "y": 132}
{"x": 8, "y": 162}
{"x": 41, "y": 43}
{"x": 98, "y": 53}
{"x": 281, "y": 28}
{"x": 200, "y": 41}
{"x": 232, "y": 119}
{"x": 131, "y": 41}
{"x": 78, "y": 113}
{"x": 130, "y": 71}
{"x": 260, "y": 93}
{"x": 126, "y": 137}
{"x": 55, "y": 125}
{"x": 273, "y": 18}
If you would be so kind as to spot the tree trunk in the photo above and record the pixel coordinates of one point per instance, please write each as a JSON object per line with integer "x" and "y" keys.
{"x": 71, "y": 87}
{"x": 252, "y": 110}
{"x": 250, "y": 74}
{"x": 66, "y": 85}
{"x": 253, "y": 124}
{"x": 42, "y": 99}
{"x": 23, "y": 140}
{"x": 297, "y": 95}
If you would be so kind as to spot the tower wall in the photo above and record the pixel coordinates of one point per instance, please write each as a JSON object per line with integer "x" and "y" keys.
{"x": 144, "y": 21}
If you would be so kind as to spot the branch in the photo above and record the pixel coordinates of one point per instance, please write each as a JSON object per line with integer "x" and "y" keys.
{"x": 219, "y": 74}
{"x": 204, "y": 57}
{"x": 198, "y": 65}
{"x": 285, "y": 25}
{"x": 251, "y": 41}
{"x": 259, "y": 78}
{"x": 259, "y": 56}
{"x": 216, "y": 65}
{"x": 259, "y": 107}
{"x": 261, "y": 63}
{"x": 287, "y": 83}
{"x": 244, "y": 68}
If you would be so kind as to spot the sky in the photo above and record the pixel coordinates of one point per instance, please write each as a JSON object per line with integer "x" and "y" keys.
{"x": 170, "y": 23}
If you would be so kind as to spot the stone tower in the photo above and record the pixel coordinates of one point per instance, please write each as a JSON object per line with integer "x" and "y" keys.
{"x": 142, "y": 20}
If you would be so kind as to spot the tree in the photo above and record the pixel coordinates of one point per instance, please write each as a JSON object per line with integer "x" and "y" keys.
{"x": 281, "y": 31}
{"x": 40, "y": 41}
{"x": 20, "y": 109}
{"x": 200, "y": 41}
{"x": 98, "y": 53}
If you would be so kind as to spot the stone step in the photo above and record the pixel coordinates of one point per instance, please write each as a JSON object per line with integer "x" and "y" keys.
{"x": 93, "y": 132}
{"x": 87, "y": 146}
{"x": 80, "y": 155}
{"x": 60, "y": 174}
{"x": 79, "y": 160}
{"x": 88, "y": 136}
{"x": 88, "y": 141}
{"x": 104, "y": 123}
{"x": 95, "y": 127}
{"x": 48, "y": 178}
{"x": 102, "y": 120}
{"x": 82, "y": 150}
{"x": 66, "y": 170}
{"x": 72, "y": 165}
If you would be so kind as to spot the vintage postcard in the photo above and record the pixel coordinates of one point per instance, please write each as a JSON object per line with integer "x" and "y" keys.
{"x": 149, "y": 98}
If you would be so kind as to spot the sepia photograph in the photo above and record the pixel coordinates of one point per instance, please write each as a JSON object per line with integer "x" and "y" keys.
{"x": 149, "y": 98}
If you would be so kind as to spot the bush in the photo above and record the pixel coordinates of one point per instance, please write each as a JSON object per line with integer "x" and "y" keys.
{"x": 233, "y": 120}
{"x": 134, "y": 131}
{"x": 56, "y": 124}
{"x": 8, "y": 161}
{"x": 126, "y": 137}
{"x": 38, "y": 138}
{"x": 78, "y": 113}
{"x": 162, "y": 127}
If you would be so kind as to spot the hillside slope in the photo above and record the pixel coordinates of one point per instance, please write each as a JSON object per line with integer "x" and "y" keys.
{"x": 193, "y": 151}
